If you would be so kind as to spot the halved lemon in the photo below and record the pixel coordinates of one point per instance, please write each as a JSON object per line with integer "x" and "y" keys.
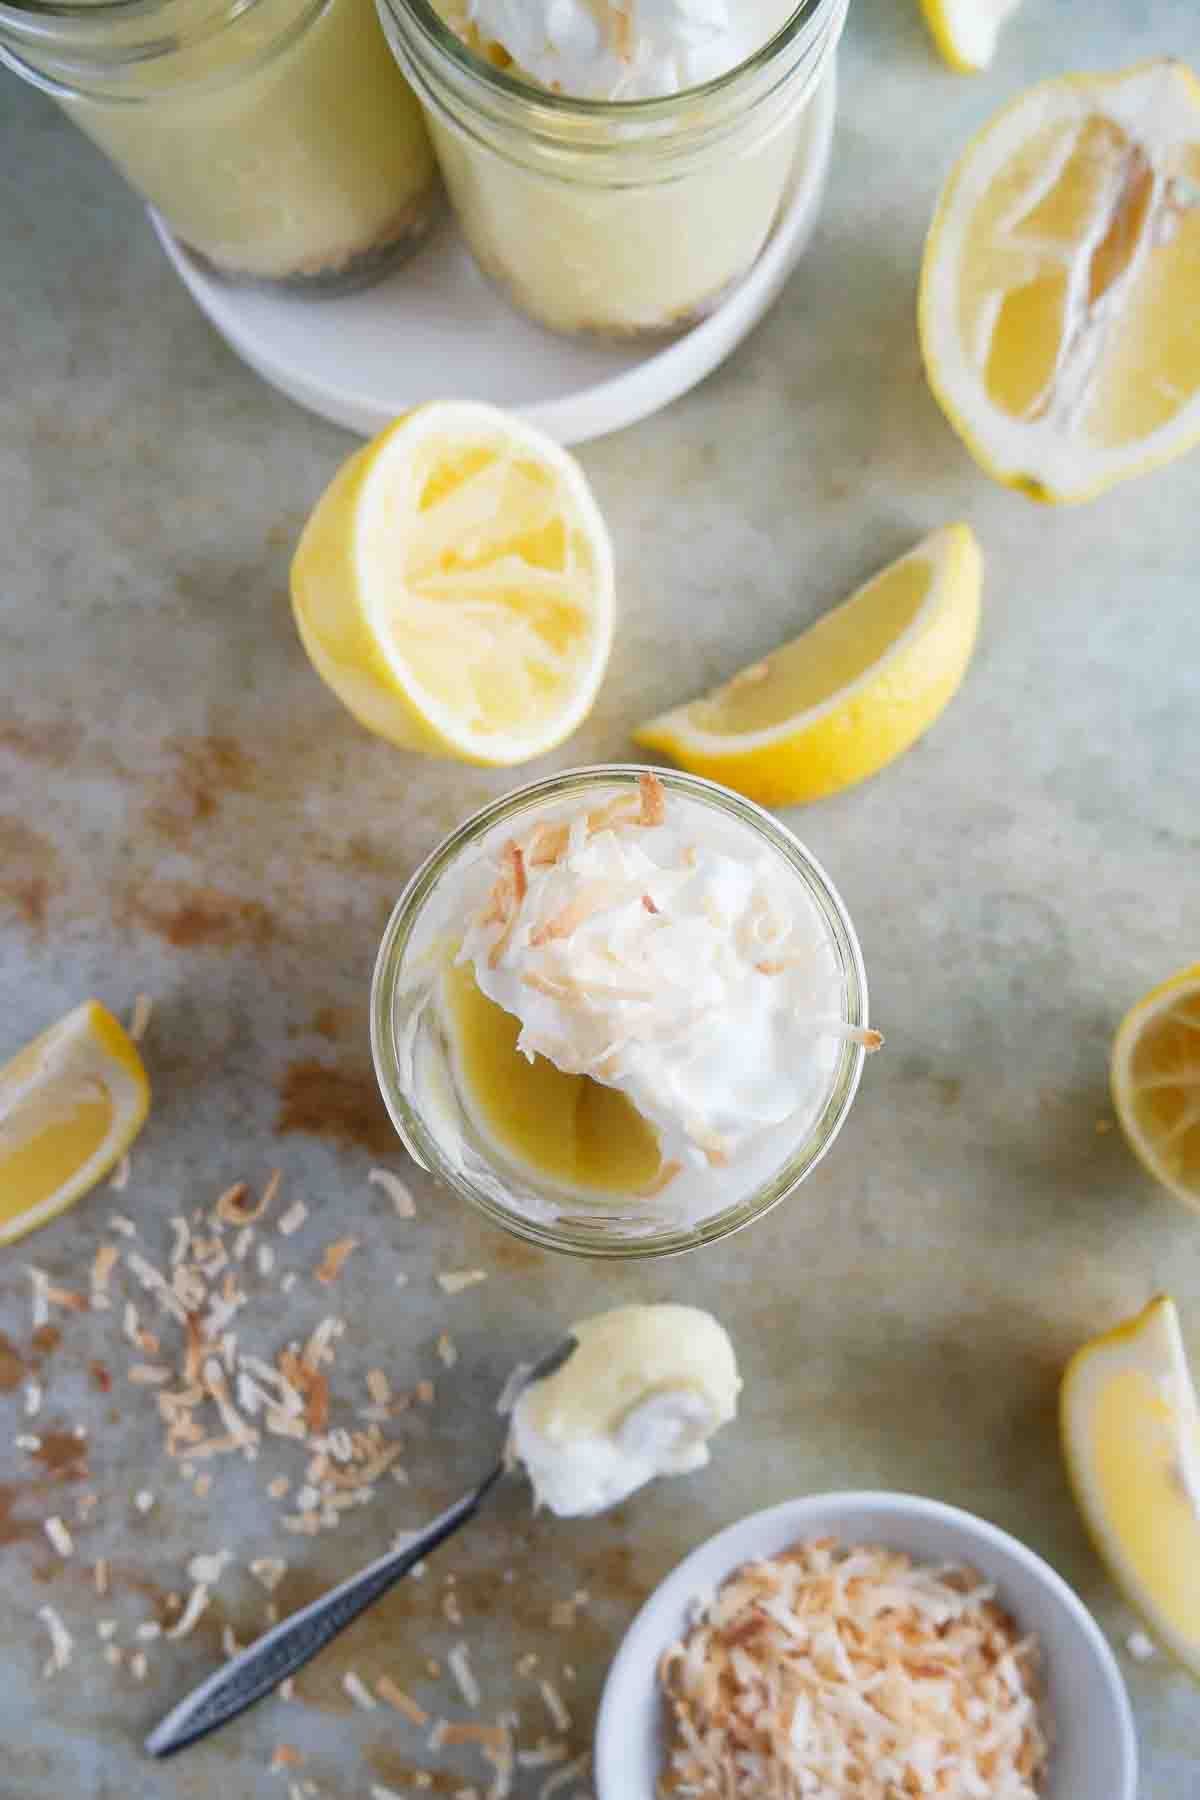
{"x": 1061, "y": 283}
{"x": 1131, "y": 1437}
{"x": 454, "y": 586}
{"x": 71, "y": 1103}
{"x": 1155, "y": 1078}
{"x": 965, "y": 31}
{"x": 846, "y": 696}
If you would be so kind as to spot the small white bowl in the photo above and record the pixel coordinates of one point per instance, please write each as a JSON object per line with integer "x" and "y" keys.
{"x": 1095, "y": 1749}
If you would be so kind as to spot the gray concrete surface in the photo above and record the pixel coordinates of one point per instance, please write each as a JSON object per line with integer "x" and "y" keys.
{"x": 184, "y": 810}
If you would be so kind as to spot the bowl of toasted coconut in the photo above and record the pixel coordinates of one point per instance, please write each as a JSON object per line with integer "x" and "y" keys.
{"x": 871, "y": 1645}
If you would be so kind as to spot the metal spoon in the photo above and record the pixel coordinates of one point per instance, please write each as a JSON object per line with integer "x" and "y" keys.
{"x": 288, "y": 1646}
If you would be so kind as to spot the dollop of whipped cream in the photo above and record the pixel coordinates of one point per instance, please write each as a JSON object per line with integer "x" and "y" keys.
{"x": 640, "y": 1397}
{"x": 694, "y": 980}
{"x": 601, "y": 50}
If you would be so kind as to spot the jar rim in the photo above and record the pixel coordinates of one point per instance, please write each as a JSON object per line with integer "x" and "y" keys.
{"x": 574, "y": 1238}
{"x": 490, "y": 81}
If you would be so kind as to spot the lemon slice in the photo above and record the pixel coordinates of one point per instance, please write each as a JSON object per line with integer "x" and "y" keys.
{"x": 1131, "y": 1437}
{"x": 1155, "y": 1076}
{"x": 454, "y": 586}
{"x": 1061, "y": 283}
{"x": 71, "y": 1103}
{"x": 848, "y": 694}
{"x": 965, "y": 31}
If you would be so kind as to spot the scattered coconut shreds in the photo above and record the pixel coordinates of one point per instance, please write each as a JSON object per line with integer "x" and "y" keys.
{"x": 453, "y": 1281}
{"x": 193, "y": 1612}
{"x": 293, "y": 1218}
{"x": 288, "y": 1282}
{"x": 401, "y": 1702}
{"x": 118, "y": 1181}
{"x": 379, "y": 1387}
{"x": 545, "y": 1756}
{"x": 379, "y": 1792}
{"x": 33, "y": 1399}
{"x": 528, "y": 1663}
{"x": 330, "y": 1265}
{"x": 395, "y": 1190}
{"x": 828, "y": 1668}
{"x": 264, "y": 1257}
{"x": 47, "y": 1294}
{"x": 148, "y": 1630}
{"x": 149, "y": 1374}
{"x": 104, "y": 1262}
{"x": 144, "y": 1500}
{"x": 25, "y": 1440}
{"x": 139, "y": 1024}
{"x": 207, "y": 1569}
{"x": 446, "y": 1350}
{"x": 268, "y": 1571}
{"x": 59, "y": 1536}
{"x": 287, "y": 1688}
{"x": 359, "y": 1692}
{"x": 114, "y": 1655}
{"x": 278, "y": 1487}
{"x": 61, "y": 1642}
{"x": 457, "y": 1661}
{"x": 100, "y": 1575}
{"x": 560, "y": 1718}
{"x": 1140, "y": 1646}
{"x": 106, "y": 1629}
{"x": 138, "y": 1665}
{"x": 563, "y": 1777}
{"x": 118, "y": 1222}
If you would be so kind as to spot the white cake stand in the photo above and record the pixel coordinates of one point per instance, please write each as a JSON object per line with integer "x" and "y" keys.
{"x": 436, "y": 328}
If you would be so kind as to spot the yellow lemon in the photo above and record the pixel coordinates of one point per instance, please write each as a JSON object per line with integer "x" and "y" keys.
{"x": 1061, "y": 283}
{"x": 1131, "y": 1438}
{"x": 965, "y": 31}
{"x": 71, "y": 1103}
{"x": 1155, "y": 1077}
{"x": 846, "y": 696}
{"x": 454, "y": 586}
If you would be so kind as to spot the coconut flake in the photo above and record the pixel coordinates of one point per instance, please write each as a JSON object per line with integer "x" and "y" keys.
{"x": 61, "y": 1642}
{"x": 395, "y": 1190}
{"x": 59, "y": 1536}
{"x": 358, "y": 1691}
{"x": 457, "y": 1661}
{"x": 454, "y": 1281}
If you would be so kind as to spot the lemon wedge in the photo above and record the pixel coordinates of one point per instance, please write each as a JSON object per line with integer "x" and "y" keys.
{"x": 846, "y": 696}
{"x": 965, "y": 31}
{"x": 1061, "y": 283}
{"x": 1131, "y": 1437}
{"x": 71, "y": 1103}
{"x": 1155, "y": 1078}
{"x": 454, "y": 586}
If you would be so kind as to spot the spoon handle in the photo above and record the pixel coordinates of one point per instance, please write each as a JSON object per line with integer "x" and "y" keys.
{"x": 260, "y": 1668}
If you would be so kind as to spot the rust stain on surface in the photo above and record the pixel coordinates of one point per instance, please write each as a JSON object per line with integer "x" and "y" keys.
{"x": 62, "y": 1455}
{"x": 51, "y": 741}
{"x": 205, "y": 770}
{"x": 12, "y": 1369}
{"x": 195, "y": 917}
{"x": 29, "y": 873}
{"x": 319, "y": 1100}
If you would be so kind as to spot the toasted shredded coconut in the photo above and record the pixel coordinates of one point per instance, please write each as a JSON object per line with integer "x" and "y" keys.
{"x": 138, "y": 1665}
{"x": 358, "y": 1691}
{"x": 100, "y": 1575}
{"x": 118, "y": 1222}
{"x": 330, "y": 1265}
{"x": 193, "y": 1612}
{"x": 403, "y": 1703}
{"x": 144, "y": 1500}
{"x": 396, "y": 1192}
{"x": 143, "y": 1008}
{"x": 268, "y": 1571}
{"x": 61, "y": 1642}
{"x": 447, "y": 1351}
{"x": 560, "y": 1718}
{"x": 207, "y": 1570}
{"x": 828, "y": 1671}
{"x": 33, "y": 1399}
{"x": 293, "y": 1218}
{"x": 453, "y": 1281}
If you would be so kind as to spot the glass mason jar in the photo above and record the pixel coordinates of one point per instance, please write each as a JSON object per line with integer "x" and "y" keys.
{"x": 420, "y": 1077}
{"x": 277, "y": 138}
{"x": 624, "y": 218}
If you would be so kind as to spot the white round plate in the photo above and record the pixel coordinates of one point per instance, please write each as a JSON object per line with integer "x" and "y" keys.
{"x": 1095, "y": 1750}
{"x": 436, "y": 328}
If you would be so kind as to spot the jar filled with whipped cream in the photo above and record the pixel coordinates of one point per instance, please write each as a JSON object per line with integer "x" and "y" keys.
{"x": 277, "y": 139}
{"x": 621, "y": 1011}
{"x": 617, "y": 168}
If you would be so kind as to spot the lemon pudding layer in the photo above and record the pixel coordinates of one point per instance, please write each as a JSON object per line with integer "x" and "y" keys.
{"x": 617, "y": 169}
{"x": 626, "y": 1003}
{"x": 641, "y": 1396}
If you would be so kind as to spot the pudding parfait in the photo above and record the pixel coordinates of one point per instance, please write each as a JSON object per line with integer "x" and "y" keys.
{"x": 617, "y": 165}
{"x": 622, "y": 1013}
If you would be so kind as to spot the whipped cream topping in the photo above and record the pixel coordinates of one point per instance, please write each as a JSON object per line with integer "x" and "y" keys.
{"x": 599, "y": 50}
{"x": 700, "y": 983}
{"x": 640, "y": 1397}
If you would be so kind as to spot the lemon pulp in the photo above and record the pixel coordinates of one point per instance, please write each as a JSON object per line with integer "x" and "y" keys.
{"x": 569, "y": 1129}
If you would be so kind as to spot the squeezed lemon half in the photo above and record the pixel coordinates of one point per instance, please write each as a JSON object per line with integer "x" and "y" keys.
{"x": 1131, "y": 1437}
{"x": 454, "y": 586}
{"x": 1155, "y": 1079}
{"x": 71, "y": 1103}
{"x": 1061, "y": 283}
{"x": 849, "y": 694}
